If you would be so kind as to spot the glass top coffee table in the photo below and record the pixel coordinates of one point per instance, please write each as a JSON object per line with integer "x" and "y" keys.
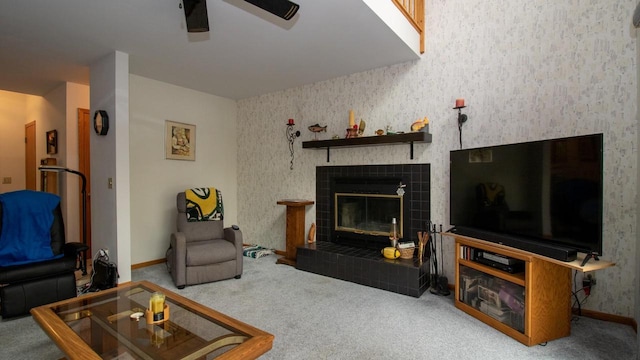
{"x": 101, "y": 326}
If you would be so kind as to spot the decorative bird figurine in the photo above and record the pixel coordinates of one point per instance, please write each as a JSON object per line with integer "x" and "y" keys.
{"x": 316, "y": 128}
{"x": 418, "y": 125}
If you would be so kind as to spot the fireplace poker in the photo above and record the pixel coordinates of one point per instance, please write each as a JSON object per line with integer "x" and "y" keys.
{"x": 443, "y": 282}
{"x": 434, "y": 261}
{"x": 440, "y": 282}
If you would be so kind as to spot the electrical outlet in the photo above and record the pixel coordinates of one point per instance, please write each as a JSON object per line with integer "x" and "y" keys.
{"x": 6, "y": 180}
{"x": 588, "y": 281}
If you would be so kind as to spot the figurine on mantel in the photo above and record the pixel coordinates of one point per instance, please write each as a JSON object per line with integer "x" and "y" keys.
{"x": 316, "y": 128}
{"x": 421, "y": 125}
{"x": 361, "y": 127}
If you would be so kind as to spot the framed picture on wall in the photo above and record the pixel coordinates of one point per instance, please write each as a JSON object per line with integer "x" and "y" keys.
{"x": 180, "y": 141}
{"x": 52, "y": 142}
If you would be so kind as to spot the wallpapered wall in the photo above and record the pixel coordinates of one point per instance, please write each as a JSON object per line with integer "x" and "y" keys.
{"x": 527, "y": 70}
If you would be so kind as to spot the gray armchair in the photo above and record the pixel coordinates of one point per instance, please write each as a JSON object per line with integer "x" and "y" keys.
{"x": 203, "y": 251}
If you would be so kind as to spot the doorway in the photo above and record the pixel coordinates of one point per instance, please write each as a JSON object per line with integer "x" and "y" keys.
{"x": 30, "y": 155}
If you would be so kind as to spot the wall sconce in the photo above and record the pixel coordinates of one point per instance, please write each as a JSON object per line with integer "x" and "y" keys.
{"x": 462, "y": 118}
{"x": 291, "y": 134}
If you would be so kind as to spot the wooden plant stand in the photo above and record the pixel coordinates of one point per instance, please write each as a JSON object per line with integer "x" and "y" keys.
{"x": 295, "y": 228}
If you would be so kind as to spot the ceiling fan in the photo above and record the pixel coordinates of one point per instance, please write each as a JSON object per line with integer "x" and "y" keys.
{"x": 195, "y": 11}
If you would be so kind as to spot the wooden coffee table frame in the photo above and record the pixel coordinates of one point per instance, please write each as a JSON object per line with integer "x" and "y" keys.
{"x": 258, "y": 342}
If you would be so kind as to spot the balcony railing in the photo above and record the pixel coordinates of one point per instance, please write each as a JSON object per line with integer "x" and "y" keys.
{"x": 413, "y": 10}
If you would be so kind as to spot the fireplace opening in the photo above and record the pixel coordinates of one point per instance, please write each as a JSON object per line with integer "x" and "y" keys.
{"x": 363, "y": 208}
{"x": 367, "y": 214}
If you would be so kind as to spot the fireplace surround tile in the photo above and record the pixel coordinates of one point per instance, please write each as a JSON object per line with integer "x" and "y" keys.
{"x": 367, "y": 266}
{"x": 416, "y": 177}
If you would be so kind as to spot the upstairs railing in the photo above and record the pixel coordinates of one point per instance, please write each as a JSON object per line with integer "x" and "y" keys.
{"x": 413, "y": 10}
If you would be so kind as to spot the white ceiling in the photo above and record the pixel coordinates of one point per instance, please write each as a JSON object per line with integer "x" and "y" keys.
{"x": 247, "y": 52}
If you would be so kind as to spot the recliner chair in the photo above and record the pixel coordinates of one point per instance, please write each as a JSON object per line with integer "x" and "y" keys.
{"x": 203, "y": 251}
{"x": 25, "y": 286}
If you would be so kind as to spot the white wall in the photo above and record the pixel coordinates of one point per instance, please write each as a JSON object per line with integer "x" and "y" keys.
{"x": 155, "y": 181}
{"x": 13, "y": 117}
{"x": 110, "y": 206}
{"x": 528, "y": 71}
{"x": 52, "y": 116}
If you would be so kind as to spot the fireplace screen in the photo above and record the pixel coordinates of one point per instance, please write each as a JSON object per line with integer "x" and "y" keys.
{"x": 368, "y": 214}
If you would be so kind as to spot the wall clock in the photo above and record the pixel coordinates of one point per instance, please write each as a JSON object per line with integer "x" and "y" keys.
{"x": 101, "y": 122}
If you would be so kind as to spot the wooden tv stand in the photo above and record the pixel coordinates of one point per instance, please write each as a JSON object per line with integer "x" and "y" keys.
{"x": 533, "y": 306}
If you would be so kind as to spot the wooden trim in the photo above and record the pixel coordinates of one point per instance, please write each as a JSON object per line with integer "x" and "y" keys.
{"x": 147, "y": 263}
{"x": 413, "y": 10}
{"x": 160, "y": 261}
{"x": 412, "y": 16}
{"x": 607, "y": 317}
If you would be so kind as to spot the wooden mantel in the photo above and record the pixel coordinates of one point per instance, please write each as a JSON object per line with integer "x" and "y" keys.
{"x": 408, "y": 138}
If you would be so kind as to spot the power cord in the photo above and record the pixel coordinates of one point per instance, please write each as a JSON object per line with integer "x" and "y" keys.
{"x": 100, "y": 255}
{"x": 575, "y": 293}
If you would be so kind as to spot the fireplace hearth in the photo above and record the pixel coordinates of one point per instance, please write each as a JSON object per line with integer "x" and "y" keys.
{"x": 365, "y": 267}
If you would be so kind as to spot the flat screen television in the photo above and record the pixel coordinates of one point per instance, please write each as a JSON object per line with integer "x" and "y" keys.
{"x": 541, "y": 196}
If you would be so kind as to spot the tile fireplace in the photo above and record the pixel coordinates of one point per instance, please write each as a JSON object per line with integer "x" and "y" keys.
{"x": 374, "y": 180}
{"x": 354, "y": 208}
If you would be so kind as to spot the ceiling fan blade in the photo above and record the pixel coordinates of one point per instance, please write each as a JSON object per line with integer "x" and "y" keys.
{"x": 281, "y": 8}
{"x": 195, "y": 11}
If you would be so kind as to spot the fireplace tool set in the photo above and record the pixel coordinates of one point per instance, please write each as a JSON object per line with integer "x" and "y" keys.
{"x": 439, "y": 284}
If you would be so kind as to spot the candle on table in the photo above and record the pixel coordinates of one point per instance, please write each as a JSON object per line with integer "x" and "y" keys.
{"x": 459, "y": 102}
{"x": 352, "y": 119}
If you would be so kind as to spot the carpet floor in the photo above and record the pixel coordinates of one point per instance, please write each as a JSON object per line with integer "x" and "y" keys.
{"x": 317, "y": 317}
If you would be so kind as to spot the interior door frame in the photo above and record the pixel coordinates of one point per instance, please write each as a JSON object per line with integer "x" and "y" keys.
{"x": 84, "y": 166}
{"x": 30, "y": 162}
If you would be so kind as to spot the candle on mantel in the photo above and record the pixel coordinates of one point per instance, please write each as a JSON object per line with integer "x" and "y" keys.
{"x": 459, "y": 103}
{"x": 291, "y": 122}
{"x": 352, "y": 119}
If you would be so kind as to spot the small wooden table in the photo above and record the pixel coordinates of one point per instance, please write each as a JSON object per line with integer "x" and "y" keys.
{"x": 99, "y": 326}
{"x": 295, "y": 228}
